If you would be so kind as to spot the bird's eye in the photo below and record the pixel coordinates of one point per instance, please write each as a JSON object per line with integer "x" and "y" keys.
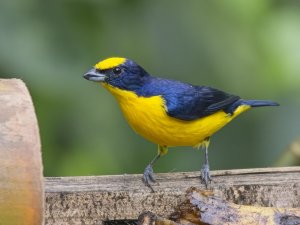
{"x": 117, "y": 70}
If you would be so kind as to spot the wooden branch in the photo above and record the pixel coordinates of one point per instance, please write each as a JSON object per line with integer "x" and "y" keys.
{"x": 21, "y": 182}
{"x": 92, "y": 200}
{"x": 203, "y": 207}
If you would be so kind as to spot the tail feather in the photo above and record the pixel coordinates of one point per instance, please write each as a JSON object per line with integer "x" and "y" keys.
{"x": 258, "y": 103}
{"x": 251, "y": 103}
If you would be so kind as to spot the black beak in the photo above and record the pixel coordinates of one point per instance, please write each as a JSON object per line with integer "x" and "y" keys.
{"x": 94, "y": 75}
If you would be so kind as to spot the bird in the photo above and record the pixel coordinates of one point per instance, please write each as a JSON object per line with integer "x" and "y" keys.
{"x": 168, "y": 112}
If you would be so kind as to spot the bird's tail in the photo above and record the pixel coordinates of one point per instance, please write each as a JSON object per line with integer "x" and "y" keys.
{"x": 258, "y": 103}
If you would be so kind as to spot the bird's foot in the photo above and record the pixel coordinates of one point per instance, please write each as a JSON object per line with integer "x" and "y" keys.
{"x": 149, "y": 177}
{"x": 205, "y": 175}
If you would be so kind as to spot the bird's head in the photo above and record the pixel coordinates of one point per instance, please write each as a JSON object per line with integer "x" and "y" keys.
{"x": 118, "y": 72}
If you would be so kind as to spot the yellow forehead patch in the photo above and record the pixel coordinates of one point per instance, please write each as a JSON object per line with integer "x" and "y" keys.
{"x": 109, "y": 63}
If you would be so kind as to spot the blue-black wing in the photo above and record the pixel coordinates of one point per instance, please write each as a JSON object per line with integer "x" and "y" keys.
{"x": 198, "y": 102}
{"x": 188, "y": 102}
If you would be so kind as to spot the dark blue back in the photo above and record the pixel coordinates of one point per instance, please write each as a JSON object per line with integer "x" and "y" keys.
{"x": 185, "y": 101}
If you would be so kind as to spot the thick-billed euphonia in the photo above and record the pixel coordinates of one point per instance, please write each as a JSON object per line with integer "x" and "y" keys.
{"x": 167, "y": 112}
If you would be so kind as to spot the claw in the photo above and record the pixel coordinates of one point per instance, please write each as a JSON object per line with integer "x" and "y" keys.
{"x": 149, "y": 177}
{"x": 205, "y": 174}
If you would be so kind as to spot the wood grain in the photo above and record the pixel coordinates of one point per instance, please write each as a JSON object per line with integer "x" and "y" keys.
{"x": 203, "y": 207}
{"x": 21, "y": 186}
{"x": 92, "y": 200}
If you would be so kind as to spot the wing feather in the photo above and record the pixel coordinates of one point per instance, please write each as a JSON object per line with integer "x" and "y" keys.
{"x": 185, "y": 101}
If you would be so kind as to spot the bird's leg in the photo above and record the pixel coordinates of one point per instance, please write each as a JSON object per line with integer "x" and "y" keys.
{"x": 148, "y": 172}
{"x": 205, "y": 174}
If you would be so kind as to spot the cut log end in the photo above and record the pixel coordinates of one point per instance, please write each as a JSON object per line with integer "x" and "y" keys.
{"x": 21, "y": 181}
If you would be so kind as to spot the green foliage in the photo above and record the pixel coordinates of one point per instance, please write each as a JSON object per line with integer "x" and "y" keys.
{"x": 250, "y": 48}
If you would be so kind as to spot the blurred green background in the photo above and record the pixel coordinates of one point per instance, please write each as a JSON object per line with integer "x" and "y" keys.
{"x": 250, "y": 48}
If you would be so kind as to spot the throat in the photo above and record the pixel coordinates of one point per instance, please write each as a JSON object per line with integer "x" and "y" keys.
{"x": 119, "y": 94}
{"x": 144, "y": 114}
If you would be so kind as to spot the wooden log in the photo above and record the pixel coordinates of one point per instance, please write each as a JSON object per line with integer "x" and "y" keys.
{"x": 96, "y": 199}
{"x": 21, "y": 182}
{"x": 203, "y": 207}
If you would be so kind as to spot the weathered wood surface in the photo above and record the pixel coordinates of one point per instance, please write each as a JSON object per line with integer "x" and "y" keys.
{"x": 203, "y": 207}
{"x": 92, "y": 200}
{"x": 21, "y": 182}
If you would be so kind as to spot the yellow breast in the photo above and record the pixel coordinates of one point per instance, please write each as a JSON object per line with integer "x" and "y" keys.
{"x": 148, "y": 117}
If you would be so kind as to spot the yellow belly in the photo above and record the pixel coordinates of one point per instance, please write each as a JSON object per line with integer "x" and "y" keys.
{"x": 148, "y": 117}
